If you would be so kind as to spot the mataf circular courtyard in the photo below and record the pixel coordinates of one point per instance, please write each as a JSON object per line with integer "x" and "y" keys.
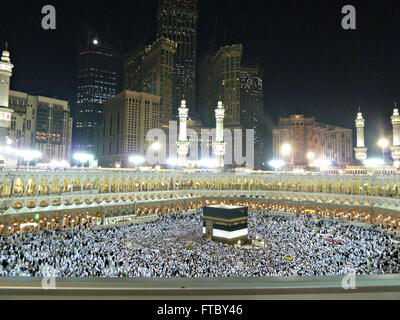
{"x": 174, "y": 246}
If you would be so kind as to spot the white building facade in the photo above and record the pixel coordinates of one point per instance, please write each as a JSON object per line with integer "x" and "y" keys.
{"x": 41, "y": 123}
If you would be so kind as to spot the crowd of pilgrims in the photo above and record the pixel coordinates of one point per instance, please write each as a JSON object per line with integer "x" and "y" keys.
{"x": 174, "y": 246}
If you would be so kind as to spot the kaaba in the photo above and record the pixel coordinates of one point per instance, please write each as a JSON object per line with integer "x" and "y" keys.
{"x": 225, "y": 223}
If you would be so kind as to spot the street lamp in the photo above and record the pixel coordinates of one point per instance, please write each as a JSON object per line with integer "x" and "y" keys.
{"x": 322, "y": 163}
{"x": 373, "y": 163}
{"x": 383, "y": 143}
{"x": 156, "y": 146}
{"x": 173, "y": 162}
{"x": 59, "y": 164}
{"x": 286, "y": 149}
{"x": 137, "y": 160}
{"x": 30, "y": 155}
{"x": 276, "y": 164}
{"x": 310, "y": 155}
{"x": 208, "y": 163}
{"x": 83, "y": 157}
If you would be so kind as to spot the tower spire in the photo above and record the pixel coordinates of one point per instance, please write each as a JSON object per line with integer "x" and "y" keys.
{"x": 183, "y": 143}
{"x": 360, "y": 150}
{"x": 219, "y": 144}
{"x": 395, "y": 149}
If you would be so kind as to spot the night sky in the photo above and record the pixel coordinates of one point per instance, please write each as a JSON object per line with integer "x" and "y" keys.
{"x": 311, "y": 65}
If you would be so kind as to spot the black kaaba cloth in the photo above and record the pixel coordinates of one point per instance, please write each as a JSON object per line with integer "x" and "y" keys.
{"x": 225, "y": 223}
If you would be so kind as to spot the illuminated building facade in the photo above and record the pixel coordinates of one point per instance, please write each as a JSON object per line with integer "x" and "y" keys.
{"x": 305, "y": 135}
{"x": 251, "y": 103}
{"x": 41, "y": 123}
{"x": 151, "y": 70}
{"x": 157, "y": 74}
{"x": 132, "y": 69}
{"x": 219, "y": 79}
{"x": 98, "y": 79}
{"x": 127, "y": 119}
{"x": 251, "y": 97}
{"x": 177, "y": 21}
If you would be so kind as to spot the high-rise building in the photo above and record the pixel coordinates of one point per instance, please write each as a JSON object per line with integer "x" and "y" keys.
{"x": 251, "y": 97}
{"x": 128, "y": 117}
{"x": 98, "y": 80}
{"x": 222, "y": 77}
{"x": 177, "y": 21}
{"x": 307, "y": 137}
{"x": 219, "y": 80}
{"x": 251, "y": 104}
{"x": 41, "y": 123}
{"x": 157, "y": 74}
{"x": 132, "y": 69}
{"x": 151, "y": 70}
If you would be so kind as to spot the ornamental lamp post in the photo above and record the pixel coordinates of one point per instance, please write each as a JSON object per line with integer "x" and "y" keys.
{"x": 383, "y": 143}
{"x": 83, "y": 158}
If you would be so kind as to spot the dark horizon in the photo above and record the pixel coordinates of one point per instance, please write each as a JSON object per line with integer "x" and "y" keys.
{"x": 311, "y": 65}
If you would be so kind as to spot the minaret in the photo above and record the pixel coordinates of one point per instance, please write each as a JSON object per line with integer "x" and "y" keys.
{"x": 396, "y": 135}
{"x": 183, "y": 143}
{"x": 219, "y": 145}
{"x": 5, "y": 113}
{"x": 360, "y": 150}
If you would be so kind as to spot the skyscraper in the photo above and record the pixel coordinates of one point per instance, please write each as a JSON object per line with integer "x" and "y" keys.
{"x": 251, "y": 97}
{"x": 251, "y": 104}
{"x": 177, "y": 21}
{"x": 151, "y": 70}
{"x": 219, "y": 79}
{"x": 157, "y": 74}
{"x": 97, "y": 81}
{"x": 132, "y": 69}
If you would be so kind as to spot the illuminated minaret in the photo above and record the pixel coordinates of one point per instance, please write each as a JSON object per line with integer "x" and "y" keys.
{"x": 183, "y": 143}
{"x": 360, "y": 150}
{"x": 5, "y": 113}
{"x": 396, "y": 135}
{"x": 219, "y": 145}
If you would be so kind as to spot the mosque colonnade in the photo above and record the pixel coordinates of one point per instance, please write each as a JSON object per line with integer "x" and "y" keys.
{"x": 44, "y": 199}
